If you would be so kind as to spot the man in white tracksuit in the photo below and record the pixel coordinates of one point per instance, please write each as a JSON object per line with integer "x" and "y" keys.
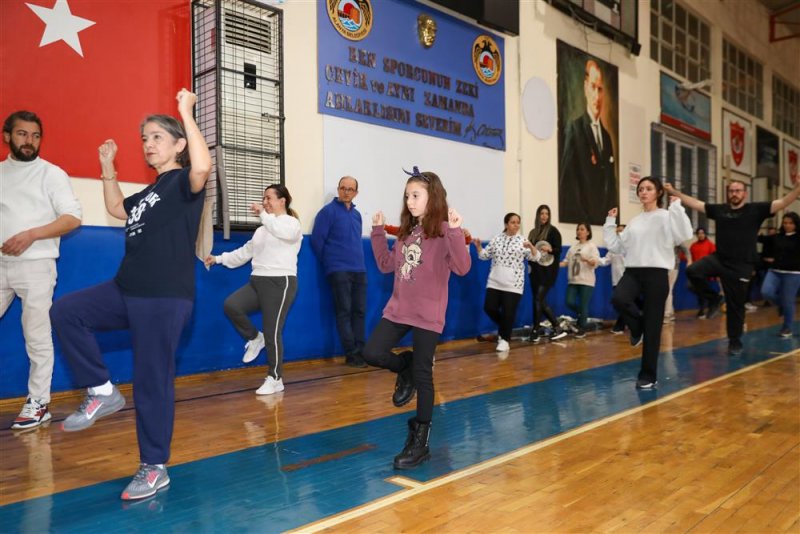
{"x": 37, "y": 206}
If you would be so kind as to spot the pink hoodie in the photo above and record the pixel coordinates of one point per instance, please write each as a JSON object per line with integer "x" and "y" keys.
{"x": 421, "y": 272}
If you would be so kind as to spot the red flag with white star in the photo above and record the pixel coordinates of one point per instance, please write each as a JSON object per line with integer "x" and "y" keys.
{"x": 92, "y": 70}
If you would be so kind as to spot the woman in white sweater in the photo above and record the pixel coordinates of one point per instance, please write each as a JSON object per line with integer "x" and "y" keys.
{"x": 273, "y": 284}
{"x": 508, "y": 251}
{"x": 648, "y": 244}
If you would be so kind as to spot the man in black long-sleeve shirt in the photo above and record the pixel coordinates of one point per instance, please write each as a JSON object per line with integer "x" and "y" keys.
{"x": 733, "y": 262}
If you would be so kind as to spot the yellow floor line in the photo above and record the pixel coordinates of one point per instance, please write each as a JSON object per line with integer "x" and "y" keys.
{"x": 402, "y": 495}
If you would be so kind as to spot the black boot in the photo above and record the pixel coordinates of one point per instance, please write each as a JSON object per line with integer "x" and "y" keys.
{"x": 416, "y": 448}
{"x": 404, "y": 387}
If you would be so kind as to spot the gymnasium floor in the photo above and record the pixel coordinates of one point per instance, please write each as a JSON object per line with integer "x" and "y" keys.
{"x": 553, "y": 438}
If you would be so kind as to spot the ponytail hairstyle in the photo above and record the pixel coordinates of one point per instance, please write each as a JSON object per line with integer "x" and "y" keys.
{"x": 508, "y": 217}
{"x": 282, "y": 192}
{"x": 436, "y": 212}
{"x": 661, "y": 198}
{"x": 588, "y": 230}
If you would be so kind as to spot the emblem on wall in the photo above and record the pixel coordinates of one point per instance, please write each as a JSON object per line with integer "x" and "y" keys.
{"x": 738, "y": 152}
{"x": 737, "y": 142}
{"x": 426, "y": 30}
{"x": 486, "y": 59}
{"x": 351, "y": 18}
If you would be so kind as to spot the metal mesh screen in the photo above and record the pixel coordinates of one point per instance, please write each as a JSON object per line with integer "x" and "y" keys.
{"x": 238, "y": 77}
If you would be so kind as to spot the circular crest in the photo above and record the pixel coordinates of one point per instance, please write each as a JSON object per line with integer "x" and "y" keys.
{"x": 351, "y": 18}
{"x": 486, "y": 59}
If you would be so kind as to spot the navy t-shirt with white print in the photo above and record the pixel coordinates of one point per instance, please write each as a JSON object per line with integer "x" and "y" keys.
{"x": 160, "y": 234}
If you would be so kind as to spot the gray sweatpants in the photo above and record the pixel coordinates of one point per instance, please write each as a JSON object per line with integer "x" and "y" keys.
{"x": 273, "y": 295}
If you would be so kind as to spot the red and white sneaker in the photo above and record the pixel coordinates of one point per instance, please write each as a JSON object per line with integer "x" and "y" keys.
{"x": 33, "y": 414}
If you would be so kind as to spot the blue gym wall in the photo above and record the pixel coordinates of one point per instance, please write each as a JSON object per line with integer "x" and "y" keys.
{"x": 92, "y": 254}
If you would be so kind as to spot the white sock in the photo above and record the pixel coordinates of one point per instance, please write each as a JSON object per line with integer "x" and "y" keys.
{"x": 104, "y": 389}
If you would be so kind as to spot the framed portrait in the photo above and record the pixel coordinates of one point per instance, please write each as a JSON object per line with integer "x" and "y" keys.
{"x": 588, "y": 136}
{"x": 737, "y": 143}
{"x": 791, "y": 162}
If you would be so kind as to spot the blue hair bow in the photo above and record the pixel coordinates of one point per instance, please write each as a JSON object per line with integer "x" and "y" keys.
{"x": 415, "y": 172}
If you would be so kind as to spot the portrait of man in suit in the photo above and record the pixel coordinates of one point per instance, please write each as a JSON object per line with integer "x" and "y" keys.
{"x": 587, "y": 184}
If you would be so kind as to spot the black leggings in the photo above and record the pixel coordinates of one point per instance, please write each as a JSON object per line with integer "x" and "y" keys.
{"x": 652, "y": 284}
{"x": 378, "y": 352}
{"x": 501, "y": 307}
{"x": 540, "y": 306}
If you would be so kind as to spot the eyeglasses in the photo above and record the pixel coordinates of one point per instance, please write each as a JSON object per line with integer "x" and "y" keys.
{"x": 347, "y": 189}
{"x": 736, "y": 190}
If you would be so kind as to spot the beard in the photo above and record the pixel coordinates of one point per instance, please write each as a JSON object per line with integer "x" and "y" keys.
{"x": 19, "y": 155}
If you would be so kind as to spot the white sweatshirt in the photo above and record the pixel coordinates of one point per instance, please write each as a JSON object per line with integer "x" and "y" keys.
{"x": 32, "y": 194}
{"x": 579, "y": 271}
{"x": 649, "y": 240}
{"x": 273, "y": 248}
{"x": 508, "y": 262}
{"x": 617, "y": 263}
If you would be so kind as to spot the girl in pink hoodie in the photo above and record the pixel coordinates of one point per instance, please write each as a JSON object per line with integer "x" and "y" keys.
{"x": 430, "y": 244}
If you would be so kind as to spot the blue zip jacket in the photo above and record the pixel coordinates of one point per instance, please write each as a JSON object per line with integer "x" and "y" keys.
{"x": 336, "y": 238}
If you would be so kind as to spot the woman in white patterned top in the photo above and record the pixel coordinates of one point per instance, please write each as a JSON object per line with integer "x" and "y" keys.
{"x": 508, "y": 251}
{"x": 581, "y": 261}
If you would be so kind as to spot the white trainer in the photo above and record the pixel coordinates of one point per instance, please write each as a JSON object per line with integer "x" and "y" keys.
{"x": 270, "y": 386}
{"x": 502, "y": 345}
{"x": 252, "y": 348}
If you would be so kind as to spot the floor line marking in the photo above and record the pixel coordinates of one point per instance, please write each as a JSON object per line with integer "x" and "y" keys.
{"x": 365, "y": 509}
{"x": 405, "y": 482}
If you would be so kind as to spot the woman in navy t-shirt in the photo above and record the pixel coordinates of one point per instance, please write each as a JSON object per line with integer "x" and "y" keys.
{"x": 152, "y": 294}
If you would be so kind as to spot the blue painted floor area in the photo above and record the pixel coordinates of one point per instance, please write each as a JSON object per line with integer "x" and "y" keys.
{"x": 252, "y": 491}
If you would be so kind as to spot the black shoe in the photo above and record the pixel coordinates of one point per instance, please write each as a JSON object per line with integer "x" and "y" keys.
{"x": 636, "y": 340}
{"x": 416, "y": 450}
{"x": 355, "y": 360}
{"x": 580, "y": 334}
{"x": 785, "y": 333}
{"x": 404, "y": 388}
{"x": 714, "y": 308}
{"x": 646, "y": 384}
{"x": 735, "y": 347}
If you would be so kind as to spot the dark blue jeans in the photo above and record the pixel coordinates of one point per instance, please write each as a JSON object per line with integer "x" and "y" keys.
{"x": 350, "y": 301}
{"x": 578, "y": 298}
{"x": 155, "y": 325}
{"x": 781, "y": 288}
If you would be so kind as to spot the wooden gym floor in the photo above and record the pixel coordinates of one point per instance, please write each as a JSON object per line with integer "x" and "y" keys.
{"x": 552, "y": 438}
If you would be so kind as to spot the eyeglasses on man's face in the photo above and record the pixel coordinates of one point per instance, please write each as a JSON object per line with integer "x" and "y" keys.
{"x": 736, "y": 190}
{"x": 347, "y": 190}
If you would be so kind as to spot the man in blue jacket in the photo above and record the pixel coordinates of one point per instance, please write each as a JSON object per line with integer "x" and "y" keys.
{"x": 336, "y": 240}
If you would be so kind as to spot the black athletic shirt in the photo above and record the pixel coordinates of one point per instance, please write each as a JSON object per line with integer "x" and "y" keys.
{"x": 160, "y": 234}
{"x": 737, "y": 231}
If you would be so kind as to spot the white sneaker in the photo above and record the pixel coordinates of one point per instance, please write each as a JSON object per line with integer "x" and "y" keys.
{"x": 252, "y": 348}
{"x": 270, "y": 386}
{"x": 502, "y": 345}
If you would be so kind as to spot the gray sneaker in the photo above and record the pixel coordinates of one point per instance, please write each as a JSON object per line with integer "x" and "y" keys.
{"x": 93, "y": 408}
{"x": 146, "y": 482}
